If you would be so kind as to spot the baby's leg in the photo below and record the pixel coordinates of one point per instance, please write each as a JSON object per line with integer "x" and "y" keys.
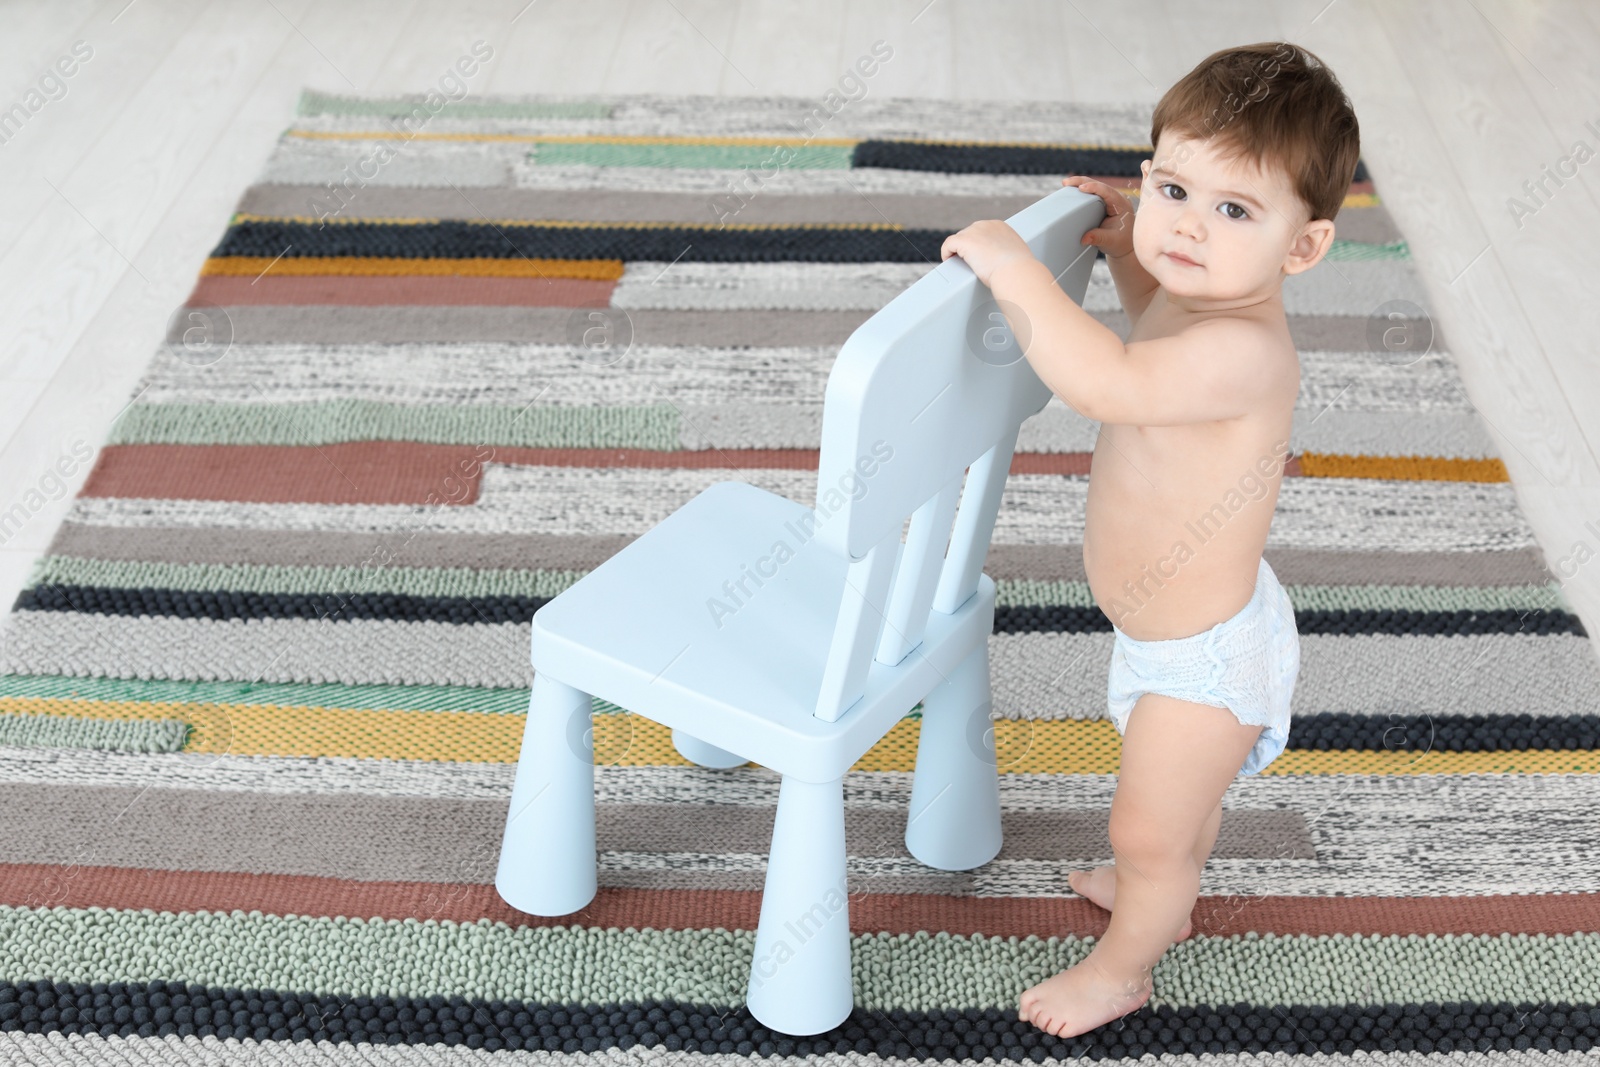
{"x": 1178, "y": 758}
{"x": 1100, "y": 885}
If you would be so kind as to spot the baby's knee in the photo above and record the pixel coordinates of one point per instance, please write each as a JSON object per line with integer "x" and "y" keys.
{"x": 1146, "y": 841}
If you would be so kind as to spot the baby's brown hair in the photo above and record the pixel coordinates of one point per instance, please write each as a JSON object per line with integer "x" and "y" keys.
{"x": 1277, "y": 105}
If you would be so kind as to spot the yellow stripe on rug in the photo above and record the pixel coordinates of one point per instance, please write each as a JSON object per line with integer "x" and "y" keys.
{"x": 1023, "y": 746}
{"x": 1402, "y": 468}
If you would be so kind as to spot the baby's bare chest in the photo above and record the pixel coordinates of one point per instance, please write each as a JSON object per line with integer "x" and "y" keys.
{"x": 1193, "y": 465}
{"x": 1183, "y": 470}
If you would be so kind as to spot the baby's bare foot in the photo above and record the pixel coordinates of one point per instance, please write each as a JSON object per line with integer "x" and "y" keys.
{"x": 1099, "y": 886}
{"x": 1079, "y": 999}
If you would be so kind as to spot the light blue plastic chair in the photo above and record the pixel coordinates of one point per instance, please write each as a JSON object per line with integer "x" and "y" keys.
{"x": 760, "y": 629}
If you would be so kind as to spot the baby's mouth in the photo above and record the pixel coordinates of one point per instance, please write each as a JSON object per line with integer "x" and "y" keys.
{"x": 1176, "y": 258}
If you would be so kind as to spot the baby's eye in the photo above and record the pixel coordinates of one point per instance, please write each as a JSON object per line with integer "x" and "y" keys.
{"x": 1181, "y": 195}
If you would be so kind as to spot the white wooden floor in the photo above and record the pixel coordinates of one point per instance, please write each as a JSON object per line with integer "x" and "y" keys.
{"x": 116, "y": 189}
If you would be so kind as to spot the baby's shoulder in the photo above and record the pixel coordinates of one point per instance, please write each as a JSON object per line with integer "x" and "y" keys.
{"x": 1253, "y": 350}
{"x": 1251, "y": 336}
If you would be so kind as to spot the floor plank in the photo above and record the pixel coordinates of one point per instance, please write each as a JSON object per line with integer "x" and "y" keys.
{"x": 788, "y": 47}
{"x": 559, "y": 46}
{"x": 1502, "y": 279}
{"x": 919, "y": 34}
{"x": 1020, "y": 57}
{"x": 678, "y": 43}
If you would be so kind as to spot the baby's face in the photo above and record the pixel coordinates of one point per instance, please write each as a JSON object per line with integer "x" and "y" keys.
{"x": 1234, "y": 221}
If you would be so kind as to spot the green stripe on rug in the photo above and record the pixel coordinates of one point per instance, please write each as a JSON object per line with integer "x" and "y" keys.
{"x": 469, "y": 582}
{"x": 654, "y": 427}
{"x": 315, "y": 103}
{"x": 64, "y": 731}
{"x": 1353, "y": 251}
{"x": 289, "y": 694}
{"x": 693, "y": 156}
{"x": 918, "y": 972}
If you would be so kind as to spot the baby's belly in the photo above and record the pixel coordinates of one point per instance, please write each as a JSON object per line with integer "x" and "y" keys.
{"x": 1174, "y": 559}
{"x": 1156, "y": 590}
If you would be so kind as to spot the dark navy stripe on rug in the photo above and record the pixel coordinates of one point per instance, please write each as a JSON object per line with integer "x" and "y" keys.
{"x": 225, "y": 604}
{"x": 460, "y": 239}
{"x": 1339, "y": 731}
{"x": 1017, "y": 619}
{"x": 163, "y": 1008}
{"x": 998, "y": 158}
{"x": 1009, "y": 159}
{"x": 1058, "y": 618}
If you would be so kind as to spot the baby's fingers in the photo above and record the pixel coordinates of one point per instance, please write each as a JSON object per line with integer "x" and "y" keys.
{"x": 1112, "y": 197}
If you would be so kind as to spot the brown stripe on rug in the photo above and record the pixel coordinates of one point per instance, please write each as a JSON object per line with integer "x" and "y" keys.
{"x": 349, "y": 472}
{"x": 703, "y": 908}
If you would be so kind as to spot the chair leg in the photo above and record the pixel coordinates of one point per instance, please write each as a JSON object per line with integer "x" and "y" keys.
{"x": 800, "y": 981}
{"x": 954, "y": 820}
{"x": 697, "y": 751}
{"x": 547, "y": 856}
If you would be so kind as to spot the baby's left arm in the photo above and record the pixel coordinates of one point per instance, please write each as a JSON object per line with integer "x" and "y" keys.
{"x": 1212, "y": 370}
{"x": 1206, "y": 372}
{"x": 1042, "y": 318}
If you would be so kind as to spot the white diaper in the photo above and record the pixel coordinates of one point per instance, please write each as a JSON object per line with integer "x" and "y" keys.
{"x": 1247, "y": 664}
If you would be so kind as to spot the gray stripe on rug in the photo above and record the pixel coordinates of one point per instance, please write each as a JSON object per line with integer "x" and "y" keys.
{"x": 568, "y": 375}
{"x": 1058, "y": 428}
{"x": 785, "y": 118}
{"x": 1034, "y": 675}
{"x": 1063, "y": 562}
{"x": 368, "y": 838}
{"x": 473, "y": 165}
{"x": 1036, "y": 509}
{"x": 343, "y": 325}
{"x": 593, "y": 201}
{"x": 1368, "y": 835}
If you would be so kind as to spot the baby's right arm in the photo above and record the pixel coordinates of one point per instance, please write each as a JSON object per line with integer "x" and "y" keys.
{"x": 1114, "y": 236}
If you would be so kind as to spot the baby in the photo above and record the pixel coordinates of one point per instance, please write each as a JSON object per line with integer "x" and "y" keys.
{"x": 1254, "y": 151}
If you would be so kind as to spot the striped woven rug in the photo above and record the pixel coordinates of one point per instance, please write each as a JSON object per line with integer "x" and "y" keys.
{"x": 262, "y": 698}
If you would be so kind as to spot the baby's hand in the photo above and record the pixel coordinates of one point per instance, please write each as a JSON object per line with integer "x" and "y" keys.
{"x": 985, "y": 246}
{"x": 1114, "y": 236}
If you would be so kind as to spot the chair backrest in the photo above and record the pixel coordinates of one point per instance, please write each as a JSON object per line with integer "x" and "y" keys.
{"x": 928, "y": 392}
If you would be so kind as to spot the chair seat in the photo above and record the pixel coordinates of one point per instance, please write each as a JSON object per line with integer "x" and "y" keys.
{"x": 718, "y": 622}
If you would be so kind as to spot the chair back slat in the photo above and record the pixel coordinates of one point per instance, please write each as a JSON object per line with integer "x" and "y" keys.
{"x": 911, "y": 594}
{"x": 861, "y": 615}
{"x": 917, "y": 396}
{"x": 969, "y": 542}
